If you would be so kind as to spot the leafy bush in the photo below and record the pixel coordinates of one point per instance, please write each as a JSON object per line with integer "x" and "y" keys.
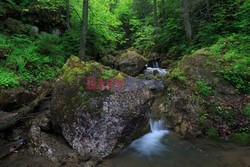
{"x": 242, "y": 138}
{"x": 212, "y": 133}
{"x": 30, "y": 59}
{"x": 178, "y": 74}
{"x": 233, "y": 54}
{"x": 247, "y": 110}
{"x": 8, "y": 78}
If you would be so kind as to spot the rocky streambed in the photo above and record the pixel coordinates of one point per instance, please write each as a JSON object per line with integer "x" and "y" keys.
{"x": 108, "y": 125}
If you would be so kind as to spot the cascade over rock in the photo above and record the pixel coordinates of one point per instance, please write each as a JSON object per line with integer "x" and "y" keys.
{"x": 97, "y": 122}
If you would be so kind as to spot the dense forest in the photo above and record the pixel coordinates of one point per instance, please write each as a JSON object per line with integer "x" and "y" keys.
{"x": 198, "y": 50}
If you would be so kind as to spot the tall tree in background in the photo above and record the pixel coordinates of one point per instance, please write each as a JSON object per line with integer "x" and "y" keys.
{"x": 208, "y": 9}
{"x": 187, "y": 19}
{"x": 155, "y": 14}
{"x": 163, "y": 12}
{"x": 143, "y": 8}
{"x": 67, "y": 14}
{"x": 82, "y": 51}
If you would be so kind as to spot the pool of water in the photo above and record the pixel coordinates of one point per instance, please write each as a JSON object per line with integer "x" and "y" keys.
{"x": 160, "y": 148}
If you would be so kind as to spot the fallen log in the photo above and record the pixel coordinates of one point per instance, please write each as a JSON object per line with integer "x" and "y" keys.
{"x": 7, "y": 120}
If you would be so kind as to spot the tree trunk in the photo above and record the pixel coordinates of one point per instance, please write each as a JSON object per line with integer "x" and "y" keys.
{"x": 163, "y": 11}
{"x": 155, "y": 14}
{"x": 82, "y": 51}
{"x": 187, "y": 19}
{"x": 208, "y": 9}
{"x": 67, "y": 15}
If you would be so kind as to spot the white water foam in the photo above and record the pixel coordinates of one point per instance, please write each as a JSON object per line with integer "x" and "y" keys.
{"x": 150, "y": 144}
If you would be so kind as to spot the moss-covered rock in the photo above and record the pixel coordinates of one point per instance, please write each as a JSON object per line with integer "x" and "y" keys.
{"x": 131, "y": 63}
{"x": 109, "y": 60}
{"x": 198, "y": 99}
{"x": 97, "y": 122}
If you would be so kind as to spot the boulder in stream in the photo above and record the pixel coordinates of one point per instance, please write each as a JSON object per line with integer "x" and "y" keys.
{"x": 132, "y": 63}
{"x": 97, "y": 122}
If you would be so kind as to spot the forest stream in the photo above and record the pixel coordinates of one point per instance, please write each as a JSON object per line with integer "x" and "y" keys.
{"x": 157, "y": 148}
{"x": 124, "y": 83}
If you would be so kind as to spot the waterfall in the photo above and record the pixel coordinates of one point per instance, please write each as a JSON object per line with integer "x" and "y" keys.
{"x": 156, "y": 64}
{"x": 156, "y": 125}
{"x": 150, "y": 144}
{"x": 153, "y": 68}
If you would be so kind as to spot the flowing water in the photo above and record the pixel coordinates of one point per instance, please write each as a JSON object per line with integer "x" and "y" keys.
{"x": 154, "y": 68}
{"x": 160, "y": 148}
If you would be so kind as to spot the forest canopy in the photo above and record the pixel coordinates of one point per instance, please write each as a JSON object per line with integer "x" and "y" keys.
{"x": 172, "y": 27}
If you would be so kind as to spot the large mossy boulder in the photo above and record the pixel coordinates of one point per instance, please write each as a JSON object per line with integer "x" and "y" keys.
{"x": 97, "y": 122}
{"x": 131, "y": 63}
{"x": 17, "y": 27}
{"x": 199, "y": 101}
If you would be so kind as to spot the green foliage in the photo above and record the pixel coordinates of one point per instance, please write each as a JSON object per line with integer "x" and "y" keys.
{"x": 233, "y": 53}
{"x": 30, "y": 59}
{"x": 8, "y": 78}
{"x": 104, "y": 32}
{"x": 179, "y": 75}
{"x": 212, "y": 133}
{"x": 144, "y": 37}
{"x": 242, "y": 138}
{"x": 107, "y": 74}
{"x": 247, "y": 110}
{"x": 205, "y": 89}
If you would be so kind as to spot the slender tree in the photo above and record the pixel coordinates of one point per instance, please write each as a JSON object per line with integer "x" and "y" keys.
{"x": 187, "y": 19}
{"x": 155, "y": 14}
{"x": 163, "y": 11}
{"x": 82, "y": 51}
{"x": 208, "y": 9}
{"x": 67, "y": 14}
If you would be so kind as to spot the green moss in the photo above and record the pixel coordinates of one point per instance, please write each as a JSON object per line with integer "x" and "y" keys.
{"x": 105, "y": 60}
{"x": 132, "y": 54}
{"x": 124, "y": 56}
{"x": 71, "y": 75}
{"x": 205, "y": 89}
{"x": 119, "y": 76}
{"x": 81, "y": 99}
{"x": 242, "y": 138}
{"x": 107, "y": 74}
{"x": 81, "y": 88}
{"x": 247, "y": 110}
{"x": 212, "y": 133}
{"x": 178, "y": 74}
{"x": 75, "y": 67}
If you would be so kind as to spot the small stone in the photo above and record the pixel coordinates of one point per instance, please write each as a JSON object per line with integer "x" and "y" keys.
{"x": 84, "y": 158}
{"x": 56, "y": 32}
{"x": 34, "y": 30}
{"x": 90, "y": 164}
{"x": 177, "y": 129}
